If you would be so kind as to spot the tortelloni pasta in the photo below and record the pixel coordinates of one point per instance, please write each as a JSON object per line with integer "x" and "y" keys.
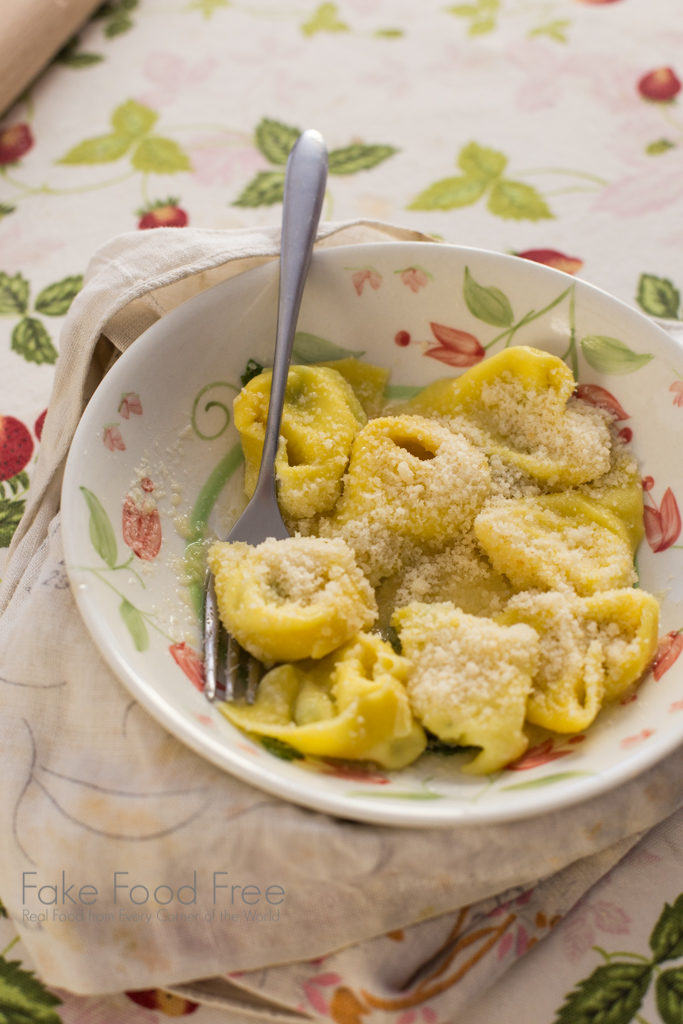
{"x": 320, "y": 419}
{"x": 471, "y": 679}
{"x": 411, "y": 478}
{"x": 285, "y": 600}
{"x": 592, "y": 650}
{"x": 352, "y": 704}
{"x": 520, "y": 402}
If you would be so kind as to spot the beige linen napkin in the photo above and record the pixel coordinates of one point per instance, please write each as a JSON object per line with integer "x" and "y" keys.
{"x": 92, "y": 786}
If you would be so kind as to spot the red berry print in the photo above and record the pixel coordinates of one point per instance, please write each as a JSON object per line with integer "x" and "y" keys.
{"x": 601, "y": 398}
{"x": 141, "y": 522}
{"x": 15, "y": 141}
{"x": 660, "y": 85}
{"x": 165, "y": 213}
{"x": 402, "y": 339}
{"x": 16, "y": 447}
{"x": 39, "y": 424}
{"x": 552, "y": 258}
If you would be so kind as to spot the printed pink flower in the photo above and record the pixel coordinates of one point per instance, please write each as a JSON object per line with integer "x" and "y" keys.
{"x": 676, "y": 706}
{"x": 171, "y": 75}
{"x": 542, "y": 753}
{"x": 663, "y": 524}
{"x": 415, "y": 278}
{"x": 632, "y": 741}
{"x": 455, "y": 348}
{"x": 677, "y": 388}
{"x": 141, "y": 522}
{"x": 611, "y": 918}
{"x": 361, "y": 276}
{"x": 316, "y": 998}
{"x": 647, "y": 192}
{"x": 553, "y": 258}
{"x": 192, "y": 665}
{"x": 130, "y": 403}
{"x": 660, "y": 85}
{"x": 15, "y": 141}
{"x": 224, "y": 159}
{"x": 112, "y": 438}
{"x": 668, "y": 649}
{"x": 601, "y": 398}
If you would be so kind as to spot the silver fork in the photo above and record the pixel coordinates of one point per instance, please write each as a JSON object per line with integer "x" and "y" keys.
{"x": 305, "y": 180}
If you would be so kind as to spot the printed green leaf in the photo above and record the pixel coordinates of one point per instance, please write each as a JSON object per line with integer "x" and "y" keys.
{"x": 266, "y": 189}
{"x": 609, "y": 355}
{"x": 612, "y": 994}
{"x": 280, "y": 749}
{"x": 275, "y": 140}
{"x": 450, "y": 193}
{"x": 251, "y": 370}
{"x": 669, "y": 995}
{"x": 3, "y": 911}
{"x": 6, "y": 209}
{"x": 13, "y": 294}
{"x": 10, "y": 515}
{"x": 207, "y": 7}
{"x": 101, "y": 150}
{"x": 160, "y": 156}
{"x": 480, "y": 26}
{"x": 31, "y": 340}
{"x": 402, "y": 392}
{"x": 56, "y": 298}
{"x": 388, "y": 33}
{"x": 358, "y": 157}
{"x": 659, "y": 146}
{"x": 101, "y": 530}
{"x": 119, "y": 24}
{"x": 324, "y": 19}
{"x": 553, "y": 29}
{"x": 309, "y": 348}
{"x": 666, "y": 941}
{"x": 135, "y": 624}
{"x": 70, "y": 56}
{"x": 514, "y": 201}
{"x": 658, "y": 296}
{"x": 488, "y": 304}
{"x": 547, "y": 780}
{"x": 481, "y": 163}
{"x": 24, "y": 998}
{"x": 133, "y": 118}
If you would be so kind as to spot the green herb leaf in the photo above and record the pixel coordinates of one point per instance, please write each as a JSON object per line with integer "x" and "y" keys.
{"x": 658, "y": 296}
{"x": 134, "y": 119}
{"x": 78, "y": 60}
{"x": 101, "y": 531}
{"x": 13, "y": 294}
{"x": 280, "y": 749}
{"x": 388, "y": 33}
{"x": 666, "y": 941}
{"x": 609, "y": 355}
{"x": 251, "y": 370}
{"x": 481, "y": 163}
{"x": 556, "y": 30}
{"x": 659, "y": 146}
{"x": 488, "y": 304}
{"x": 6, "y": 209}
{"x": 481, "y": 26}
{"x": 56, "y": 298}
{"x": 10, "y": 516}
{"x": 669, "y": 995}
{"x": 309, "y": 348}
{"x": 450, "y": 193}
{"x": 31, "y": 340}
{"x": 207, "y": 7}
{"x": 514, "y": 201}
{"x": 612, "y": 994}
{"x": 101, "y": 150}
{"x": 275, "y": 140}
{"x": 135, "y": 624}
{"x": 266, "y": 189}
{"x": 156, "y": 155}
{"x": 324, "y": 19}
{"x": 358, "y": 157}
{"x": 24, "y": 998}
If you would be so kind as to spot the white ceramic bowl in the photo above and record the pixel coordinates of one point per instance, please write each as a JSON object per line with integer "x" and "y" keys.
{"x": 164, "y": 413}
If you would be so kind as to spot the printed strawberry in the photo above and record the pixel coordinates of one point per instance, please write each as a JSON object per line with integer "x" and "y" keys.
{"x": 552, "y": 258}
{"x": 39, "y": 424}
{"x": 141, "y": 522}
{"x": 15, "y": 141}
{"x": 164, "y": 213}
{"x": 660, "y": 85}
{"x": 169, "y": 1003}
{"x": 16, "y": 447}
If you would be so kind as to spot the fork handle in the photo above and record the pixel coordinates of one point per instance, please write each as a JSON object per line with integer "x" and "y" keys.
{"x": 305, "y": 181}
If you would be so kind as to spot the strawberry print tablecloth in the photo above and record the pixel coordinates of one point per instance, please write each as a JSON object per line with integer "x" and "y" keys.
{"x": 551, "y": 129}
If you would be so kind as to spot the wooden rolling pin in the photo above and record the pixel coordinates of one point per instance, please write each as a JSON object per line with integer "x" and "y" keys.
{"x": 31, "y": 33}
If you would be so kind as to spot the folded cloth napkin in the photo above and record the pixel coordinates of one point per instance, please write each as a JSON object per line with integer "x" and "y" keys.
{"x": 92, "y": 786}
